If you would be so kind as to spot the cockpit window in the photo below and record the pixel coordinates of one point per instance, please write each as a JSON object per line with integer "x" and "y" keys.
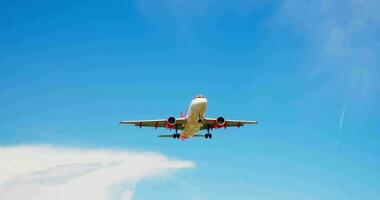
{"x": 199, "y": 97}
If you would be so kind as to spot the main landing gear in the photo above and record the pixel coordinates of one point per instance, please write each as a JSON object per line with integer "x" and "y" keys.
{"x": 208, "y": 135}
{"x": 176, "y": 134}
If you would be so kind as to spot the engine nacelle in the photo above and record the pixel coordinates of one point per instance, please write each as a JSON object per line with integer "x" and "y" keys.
{"x": 170, "y": 123}
{"x": 220, "y": 122}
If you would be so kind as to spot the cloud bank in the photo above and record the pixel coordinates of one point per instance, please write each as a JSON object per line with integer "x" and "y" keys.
{"x": 45, "y": 173}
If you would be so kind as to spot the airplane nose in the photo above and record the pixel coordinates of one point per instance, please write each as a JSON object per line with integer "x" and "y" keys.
{"x": 202, "y": 100}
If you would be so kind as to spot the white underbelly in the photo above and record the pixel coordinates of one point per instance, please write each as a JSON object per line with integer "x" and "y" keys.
{"x": 190, "y": 130}
{"x": 194, "y": 119}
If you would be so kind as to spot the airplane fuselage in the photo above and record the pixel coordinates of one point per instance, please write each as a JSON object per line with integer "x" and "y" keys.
{"x": 194, "y": 117}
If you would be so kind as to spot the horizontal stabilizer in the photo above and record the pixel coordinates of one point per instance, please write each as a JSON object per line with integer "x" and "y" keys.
{"x": 166, "y": 136}
{"x": 198, "y": 135}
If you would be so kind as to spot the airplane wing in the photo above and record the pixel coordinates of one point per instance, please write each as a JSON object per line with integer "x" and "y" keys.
{"x": 158, "y": 123}
{"x": 210, "y": 122}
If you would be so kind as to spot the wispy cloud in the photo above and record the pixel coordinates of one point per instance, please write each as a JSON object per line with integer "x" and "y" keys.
{"x": 342, "y": 43}
{"x": 43, "y": 172}
{"x": 343, "y": 37}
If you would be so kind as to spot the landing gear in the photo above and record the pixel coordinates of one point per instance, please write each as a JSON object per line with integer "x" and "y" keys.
{"x": 208, "y": 134}
{"x": 200, "y": 118}
{"x": 176, "y": 134}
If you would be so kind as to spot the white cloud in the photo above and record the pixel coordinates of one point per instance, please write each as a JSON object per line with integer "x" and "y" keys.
{"x": 44, "y": 172}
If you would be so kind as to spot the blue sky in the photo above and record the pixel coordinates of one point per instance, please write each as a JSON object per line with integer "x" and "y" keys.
{"x": 71, "y": 70}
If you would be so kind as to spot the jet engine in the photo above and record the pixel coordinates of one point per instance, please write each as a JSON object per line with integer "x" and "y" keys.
{"x": 220, "y": 122}
{"x": 170, "y": 123}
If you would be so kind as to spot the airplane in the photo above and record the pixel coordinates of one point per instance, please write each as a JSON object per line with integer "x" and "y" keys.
{"x": 191, "y": 123}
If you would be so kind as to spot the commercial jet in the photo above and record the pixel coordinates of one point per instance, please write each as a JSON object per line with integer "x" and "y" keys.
{"x": 191, "y": 123}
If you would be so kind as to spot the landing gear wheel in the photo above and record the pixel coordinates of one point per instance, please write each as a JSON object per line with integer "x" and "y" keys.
{"x": 208, "y": 136}
{"x": 176, "y": 135}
